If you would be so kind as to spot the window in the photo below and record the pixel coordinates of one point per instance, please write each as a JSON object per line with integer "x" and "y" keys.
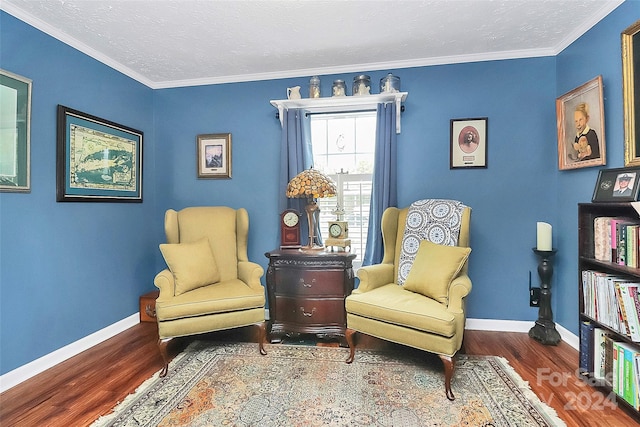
{"x": 344, "y": 148}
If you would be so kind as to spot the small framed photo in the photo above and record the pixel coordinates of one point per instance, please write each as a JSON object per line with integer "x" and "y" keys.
{"x": 468, "y": 143}
{"x": 97, "y": 160}
{"x": 580, "y": 120}
{"x": 214, "y": 155}
{"x": 617, "y": 185}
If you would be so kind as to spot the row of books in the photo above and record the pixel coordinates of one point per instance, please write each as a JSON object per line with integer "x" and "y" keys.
{"x": 613, "y": 301}
{"x": 617, "y": 240}
{"x": 613, "y": 362}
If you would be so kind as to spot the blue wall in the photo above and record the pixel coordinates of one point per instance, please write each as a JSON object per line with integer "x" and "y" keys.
{"x": 69, "y": 269}
{"x": 595, "y": 53}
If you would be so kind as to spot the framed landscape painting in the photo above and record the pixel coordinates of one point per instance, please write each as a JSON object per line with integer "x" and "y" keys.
{"x": 97, "y": 160}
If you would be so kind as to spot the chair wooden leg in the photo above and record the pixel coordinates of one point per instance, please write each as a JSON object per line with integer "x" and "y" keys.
{"x": 449, "y": 366}
{"x": 163, "y": 343}
{"x": 350, "y": 334}
{"x": 262, "y": 336}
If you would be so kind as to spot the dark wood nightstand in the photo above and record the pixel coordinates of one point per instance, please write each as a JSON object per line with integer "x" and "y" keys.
{"x": 306, "y": 292}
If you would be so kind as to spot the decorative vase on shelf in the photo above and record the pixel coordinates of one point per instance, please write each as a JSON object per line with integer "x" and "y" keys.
{"x": 314, "y": 87}
{"x": 390, "y": 84}
{"x": 339, "y": 88}
{"x": 293, "y": 92}
{"x": 361, "y": 85}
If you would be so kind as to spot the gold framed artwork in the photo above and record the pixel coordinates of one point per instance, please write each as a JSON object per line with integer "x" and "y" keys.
{"x": 580, "y": 121}
{"x": 214, "y": 155}
{"x": 631, "y": 93}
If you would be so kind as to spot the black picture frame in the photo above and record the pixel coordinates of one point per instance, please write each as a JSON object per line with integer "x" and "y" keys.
{"x": 468, "y": 143}
{"x": 608, "y": 185}
{"x": 97, "y": 160}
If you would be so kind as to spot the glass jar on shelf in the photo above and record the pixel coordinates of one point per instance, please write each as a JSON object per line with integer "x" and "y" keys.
{"x": 361, "y": 85}
{"x": 390, "y": 84}
{"x": 314, "y": 87}
{"x": 339, "y": 88}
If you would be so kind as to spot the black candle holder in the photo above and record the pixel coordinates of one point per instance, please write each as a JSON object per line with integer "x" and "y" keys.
{"x": 544, "y": 331}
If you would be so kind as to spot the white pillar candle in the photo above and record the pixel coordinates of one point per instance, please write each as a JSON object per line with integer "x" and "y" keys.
{"x": 544, "y": 236}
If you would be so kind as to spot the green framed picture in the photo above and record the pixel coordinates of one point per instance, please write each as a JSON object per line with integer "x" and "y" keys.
{"x": 97, "y": 160}
{"x": 15, "y": 132}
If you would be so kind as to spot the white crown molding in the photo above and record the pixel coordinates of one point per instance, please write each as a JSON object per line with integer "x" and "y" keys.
{"x": 74, "y": 43}
{"x": 31, "y": 369}
{"x": 605, "y": 9}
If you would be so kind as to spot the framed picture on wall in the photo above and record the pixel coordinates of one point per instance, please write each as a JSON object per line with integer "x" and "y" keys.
{"x": 631, "y": 93}
{"x": 617, "y": 185}
{"x": 97, "y": 160}
{"x": 468, "y": 144}
{"x": 214, "y": 155}
{"x": 580, "y": 121}
{"x": 15, "y": 133}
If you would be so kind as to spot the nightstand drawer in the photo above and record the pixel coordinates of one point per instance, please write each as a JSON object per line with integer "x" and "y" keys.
{"x": 292, "y": 282}
{"x": 311, "y": 311}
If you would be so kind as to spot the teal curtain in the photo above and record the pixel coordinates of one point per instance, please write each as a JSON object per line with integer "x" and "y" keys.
{"x": 296, "y": 155}
{"x": 384, "y": 190}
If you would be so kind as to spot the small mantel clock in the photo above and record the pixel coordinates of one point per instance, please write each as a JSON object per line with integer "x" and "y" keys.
{"x": 290, "y": 229}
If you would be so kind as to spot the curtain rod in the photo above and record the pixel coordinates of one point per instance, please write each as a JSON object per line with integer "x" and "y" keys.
{"x": 339, "y": 112}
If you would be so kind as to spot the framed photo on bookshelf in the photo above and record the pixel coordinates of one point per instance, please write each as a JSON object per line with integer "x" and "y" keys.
{"x": 617, "y": 185}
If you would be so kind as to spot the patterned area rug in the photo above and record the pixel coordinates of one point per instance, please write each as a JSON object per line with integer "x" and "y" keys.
{"x": 222, "y": 384}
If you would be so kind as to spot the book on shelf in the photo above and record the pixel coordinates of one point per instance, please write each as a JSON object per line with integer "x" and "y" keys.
{"x": 586, "y": 347}
{"x": 602, "y": 238}
{"x": 616, "y": 240}
{"x": 627, "y": 379}
{"x": 608, "y": 361}
{"x": 632, "y": 317}
{"x": 599, "y": 353}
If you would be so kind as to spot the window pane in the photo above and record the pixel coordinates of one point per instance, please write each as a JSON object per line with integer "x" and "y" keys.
{"x": 344, "y": 149}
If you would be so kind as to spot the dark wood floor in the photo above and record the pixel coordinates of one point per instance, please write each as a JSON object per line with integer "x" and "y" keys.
{"x": 79, "y": 390}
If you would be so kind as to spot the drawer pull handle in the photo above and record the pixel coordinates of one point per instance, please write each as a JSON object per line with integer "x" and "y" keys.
{"x": 307, "y": 285}
{"x": 304, "y": 313}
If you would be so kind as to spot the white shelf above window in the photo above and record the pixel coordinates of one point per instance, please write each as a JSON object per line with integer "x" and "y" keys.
{"x": 342, "y": 104}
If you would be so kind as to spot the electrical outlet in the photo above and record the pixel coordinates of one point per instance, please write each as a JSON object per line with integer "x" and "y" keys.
{"x": 534, "y": 297}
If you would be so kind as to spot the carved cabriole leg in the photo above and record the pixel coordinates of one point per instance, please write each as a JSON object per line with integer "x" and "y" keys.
{"x": 449, "y": 366}
{"x": 349, "y": 334}
{"x": 262, "y": 336}
{"x": 163, "y": 343}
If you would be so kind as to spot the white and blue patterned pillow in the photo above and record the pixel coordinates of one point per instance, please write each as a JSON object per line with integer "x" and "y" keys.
{"x": 435, "y": 220}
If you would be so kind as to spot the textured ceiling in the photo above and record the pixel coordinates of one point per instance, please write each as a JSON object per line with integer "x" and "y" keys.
{"x": 169, "y": 43}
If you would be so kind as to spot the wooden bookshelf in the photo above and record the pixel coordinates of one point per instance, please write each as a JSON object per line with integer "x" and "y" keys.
{"x": 606, "y": 270}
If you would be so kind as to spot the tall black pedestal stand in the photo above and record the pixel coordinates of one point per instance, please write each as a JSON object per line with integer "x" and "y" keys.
{"x": 544, "y": 331}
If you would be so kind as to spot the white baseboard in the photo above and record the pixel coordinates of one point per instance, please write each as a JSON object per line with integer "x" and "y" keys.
{"x": 31, "y": 369}
{"x": 519, "y": 326}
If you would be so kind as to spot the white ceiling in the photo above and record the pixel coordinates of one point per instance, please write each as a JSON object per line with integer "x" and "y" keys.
{"x": 172, "y": 43}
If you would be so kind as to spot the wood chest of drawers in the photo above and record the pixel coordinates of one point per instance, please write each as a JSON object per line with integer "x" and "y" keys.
{"x": 306, "y": 292}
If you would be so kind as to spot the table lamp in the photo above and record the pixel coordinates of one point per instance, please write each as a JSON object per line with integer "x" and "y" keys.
{"x": 311, "y": 184}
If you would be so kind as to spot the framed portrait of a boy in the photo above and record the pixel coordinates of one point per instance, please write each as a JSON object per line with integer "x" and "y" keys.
{"x": 617, "y": 185}
{"x": 580, "y": 121}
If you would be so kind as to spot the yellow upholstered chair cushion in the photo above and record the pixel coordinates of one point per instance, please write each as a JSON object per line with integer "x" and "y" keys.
{"x": 434, "y": 269}
{"x": 192, "y": 264}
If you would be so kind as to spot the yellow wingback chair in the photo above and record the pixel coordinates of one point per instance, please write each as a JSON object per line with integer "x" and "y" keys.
{"x": 429, "y": 317}
{"x": 209, "y": 284}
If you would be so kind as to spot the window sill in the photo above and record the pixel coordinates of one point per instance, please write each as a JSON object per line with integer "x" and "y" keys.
{"x": 341, "y": 104}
